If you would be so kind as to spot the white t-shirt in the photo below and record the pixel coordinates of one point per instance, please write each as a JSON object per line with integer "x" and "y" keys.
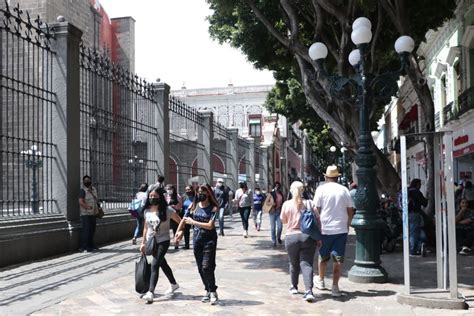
{"x": 333, "y": 199}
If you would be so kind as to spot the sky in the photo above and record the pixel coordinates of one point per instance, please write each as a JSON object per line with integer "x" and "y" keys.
{"x": 172, "y": 43}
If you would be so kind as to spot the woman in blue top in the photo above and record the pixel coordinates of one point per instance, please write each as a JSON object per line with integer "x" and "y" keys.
{"x": 202, "y": 215}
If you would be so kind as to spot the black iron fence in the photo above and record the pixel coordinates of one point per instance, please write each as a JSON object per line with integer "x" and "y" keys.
{"x": 118, "y": 129}
{"x": 184, "y": 125}
{"x": 27, "y": 99}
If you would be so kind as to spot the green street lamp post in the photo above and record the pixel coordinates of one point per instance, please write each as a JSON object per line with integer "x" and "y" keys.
{"x": 369, "y": 89}
{"x": 343, "y": 164}
{"x": 136, "y": 165}
{"x": 33, "y": 162}
{"x": 333, "y": 149}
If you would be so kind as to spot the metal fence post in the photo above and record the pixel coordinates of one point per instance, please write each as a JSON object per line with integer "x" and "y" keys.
{"x": 232, "y": 163}
{"x": 65, "y": 119}
{"x": 163, "y": 135}
{"x": 205, "y": 137}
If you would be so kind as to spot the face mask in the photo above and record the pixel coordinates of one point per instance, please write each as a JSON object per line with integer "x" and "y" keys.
{"x": 154, "y": 201}
{"x": 257, "y": 192}
{"x": 189, "y": 193}
{"x": 170, "y": 192}
{"x": 202, "y": 197}
{"x": 87, "y": 183}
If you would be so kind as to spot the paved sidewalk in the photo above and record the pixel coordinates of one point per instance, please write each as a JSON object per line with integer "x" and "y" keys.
{"x": 251, "y": 275}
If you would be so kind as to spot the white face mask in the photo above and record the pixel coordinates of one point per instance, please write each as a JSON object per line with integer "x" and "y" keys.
{"x": 170, "y": 192}
{"x": 257, "y": 192}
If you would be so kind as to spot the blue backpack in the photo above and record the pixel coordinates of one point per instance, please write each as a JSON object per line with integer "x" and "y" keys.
{"x": 136, "y": 208}
{"x": 309, "y": 223}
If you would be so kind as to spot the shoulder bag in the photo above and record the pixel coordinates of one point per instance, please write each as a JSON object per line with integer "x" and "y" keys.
{"x": 309, "y": 223}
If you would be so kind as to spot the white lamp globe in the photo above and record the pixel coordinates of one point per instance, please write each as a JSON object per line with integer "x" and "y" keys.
{"x": 354, "y": 57}
{"x": 332, "y": 149}
{"x": 362, "y": 21}
{"x": 404, "y": 44}
{"x": 361, "y": 35}
{"x": 318, "y": 51}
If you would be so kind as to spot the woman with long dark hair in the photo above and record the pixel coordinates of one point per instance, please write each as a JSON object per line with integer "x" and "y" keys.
{"x": 157, "y": 225}
{"x": 202, "y": 215}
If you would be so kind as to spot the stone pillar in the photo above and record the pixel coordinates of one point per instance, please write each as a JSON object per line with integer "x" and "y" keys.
{"x": 205, "y": 138}
{"x": 65, "y": 119}
{"x": 284, "y": 165}
{"x": 162, "y": 145}
{"x": 264, "y": 169}
{"x": 232, "y": 163}
{"x": 251, "y": 158}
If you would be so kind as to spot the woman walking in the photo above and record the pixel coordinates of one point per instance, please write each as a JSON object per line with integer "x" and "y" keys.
{"x": 258, "y": 199}
{"x": 202, "y": 215}
{"x": 275, "y": 221}
{"x": 142, "y": 196}
{"x": 244, "y": 200}
{"x": 300, "y": 247}
{"x": 157, "y": 225}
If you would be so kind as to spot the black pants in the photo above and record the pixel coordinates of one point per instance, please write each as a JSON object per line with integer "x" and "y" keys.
{"x": 159, "y": 261}
{"x": 187, "y": 228}
{"x": 244, "y": 215}
{"x": 465, "y": 236}
{"x": 205, "y": 255}
{"x": 88, "y": 231}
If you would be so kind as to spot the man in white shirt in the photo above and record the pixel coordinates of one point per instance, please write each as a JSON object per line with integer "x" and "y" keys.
{"x": 334, "y": 204}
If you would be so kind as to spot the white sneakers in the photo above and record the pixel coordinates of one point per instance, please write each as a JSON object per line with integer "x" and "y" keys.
{"x": 148, "y": 297}
{"x": 293, "y": 290}
{"x": 172, "y": 289}
{"x": 246, "y": 234}
{"x": 309, "y": 296}
{"x": 319, "y": 283}
{"x": 213, "y": 298}
{"x": 335, "y": 291}
{"x": 465, "y": 251}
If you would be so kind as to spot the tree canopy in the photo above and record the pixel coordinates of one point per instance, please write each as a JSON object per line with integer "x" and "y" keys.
{"x": 275, "y": 35}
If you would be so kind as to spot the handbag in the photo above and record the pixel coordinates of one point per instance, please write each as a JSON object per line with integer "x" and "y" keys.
{"x": 150, "y": 246}
{"x": 268, "y": 205}
{"x": 142, "y": 275}
{"x": 309, "y": 223}
{"x": 100, "y": 211}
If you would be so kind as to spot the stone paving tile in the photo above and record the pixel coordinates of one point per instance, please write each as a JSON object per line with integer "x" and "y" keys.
{"x": 252, "y": 278}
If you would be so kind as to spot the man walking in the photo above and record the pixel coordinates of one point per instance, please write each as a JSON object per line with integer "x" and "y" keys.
{"x": 222, "y": 197}
{"x": 334, "y": 204}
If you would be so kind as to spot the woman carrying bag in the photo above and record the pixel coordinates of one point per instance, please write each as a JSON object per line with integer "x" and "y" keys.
{"x": 300, "y": 246}
{"x": 156, "y": 239}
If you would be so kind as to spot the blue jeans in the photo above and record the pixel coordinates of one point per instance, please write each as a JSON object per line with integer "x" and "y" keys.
{"x": 417, "y": 235}
{"x": 275, "y": 226}
{"x": 221, "y": 219}
{"x": 139, "y": 228}
{"x": 244, "y": 215}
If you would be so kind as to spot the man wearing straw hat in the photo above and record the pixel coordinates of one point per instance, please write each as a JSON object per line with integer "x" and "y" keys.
{"x": 334, "y": 204}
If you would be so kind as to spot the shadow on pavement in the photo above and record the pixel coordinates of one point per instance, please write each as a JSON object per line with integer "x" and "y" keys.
{"x": 347, "y": 296}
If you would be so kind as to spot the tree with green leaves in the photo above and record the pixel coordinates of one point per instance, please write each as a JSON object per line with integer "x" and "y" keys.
{"x": 275, "y": 35}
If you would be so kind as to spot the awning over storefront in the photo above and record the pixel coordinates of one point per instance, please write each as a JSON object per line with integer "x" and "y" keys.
{"x": 409, "y": 117}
